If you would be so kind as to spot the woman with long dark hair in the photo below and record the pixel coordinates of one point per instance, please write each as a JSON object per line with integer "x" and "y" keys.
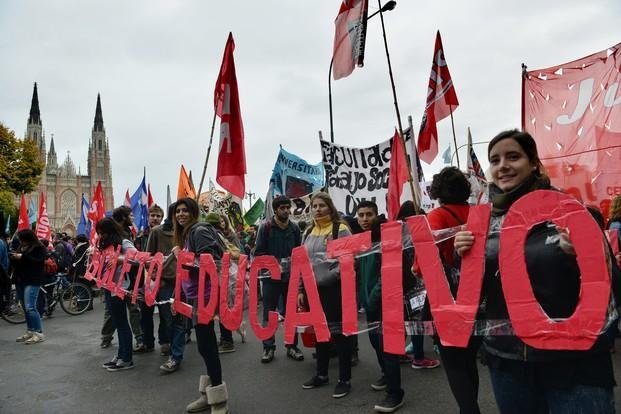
{"x": 328, "y": 225}
{"x": 527, "y": 379}
{"x": 29, "y": 274}
{"x": 199, "y": 238}
{"x": 112, "y": 235}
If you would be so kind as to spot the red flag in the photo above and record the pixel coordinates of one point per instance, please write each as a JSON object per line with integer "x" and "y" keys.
{"x": 23, "y": 222}
{"x": 97, "y": 210}
{"x": 43, "y": 222}
{"x": 128, "y": 201}
{"x": 397, "y": 176}
{"x": 149, "y": 197}
{"x": 185, "y": 188}
{"x": 232, "y": 155}
{"x": 441, "y": 100}
{"x": 349, "y": 37}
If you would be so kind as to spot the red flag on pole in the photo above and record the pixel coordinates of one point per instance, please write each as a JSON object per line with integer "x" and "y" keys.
{"x": 397, "y": 176}
{"x": 441, "y": 100}
{"x": 43, "y": 222}
{"x": 23, "y": 222}
{"x": 232, "y": 155}
{"x": 128, "y": 201}
{"x": 349, "y": 37}
{"x": 149, "y": 197}
{"x": 97, "y": 210}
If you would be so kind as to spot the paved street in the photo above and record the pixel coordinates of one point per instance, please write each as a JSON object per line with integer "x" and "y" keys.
{"x": 63, "y": 375}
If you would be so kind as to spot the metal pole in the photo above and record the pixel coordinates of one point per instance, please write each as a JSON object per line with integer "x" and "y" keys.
{"x": 200, "y": 186}
{"x": 454, "y": 136}
{"x": 330, "y": 99}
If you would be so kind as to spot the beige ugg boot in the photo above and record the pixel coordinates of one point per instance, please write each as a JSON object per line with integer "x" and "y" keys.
{"x": 201, "y": 404}
{"x": 217, "y": 397}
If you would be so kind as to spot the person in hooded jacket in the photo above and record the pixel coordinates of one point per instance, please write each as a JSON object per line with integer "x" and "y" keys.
{"x": 198, "y": 238}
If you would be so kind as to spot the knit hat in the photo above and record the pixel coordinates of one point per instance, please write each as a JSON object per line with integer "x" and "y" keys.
{"x": 213, "y": 219}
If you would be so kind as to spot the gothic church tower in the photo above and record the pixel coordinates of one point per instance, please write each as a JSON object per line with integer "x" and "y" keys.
{"x": 99, "y": 157}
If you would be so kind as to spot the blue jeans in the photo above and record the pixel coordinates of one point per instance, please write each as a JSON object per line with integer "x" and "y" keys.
{"x": 27, "y": 295}
{"x": 523, "y": 394}
{"x": 118, "y": 314}
{"x": 273, "y": 291}
{"x": 164, "y": 330}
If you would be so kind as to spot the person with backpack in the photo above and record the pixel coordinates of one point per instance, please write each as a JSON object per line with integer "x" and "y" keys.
{"x": 199, "y": 238}
{"x": 278, "y": 237}
{"x": 328, "y": 225}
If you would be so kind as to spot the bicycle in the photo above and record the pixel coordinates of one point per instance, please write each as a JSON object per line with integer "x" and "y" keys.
{"x": 75, "y": 298}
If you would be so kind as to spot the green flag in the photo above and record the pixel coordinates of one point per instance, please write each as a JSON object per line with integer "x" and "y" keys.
{"x": 255, "y": 212}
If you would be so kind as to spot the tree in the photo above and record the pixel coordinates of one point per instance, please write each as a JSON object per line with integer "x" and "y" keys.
{"x": 20, "y": 167}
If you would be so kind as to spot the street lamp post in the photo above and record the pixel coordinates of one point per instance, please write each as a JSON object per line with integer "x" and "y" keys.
{"x": 390, "y": 5}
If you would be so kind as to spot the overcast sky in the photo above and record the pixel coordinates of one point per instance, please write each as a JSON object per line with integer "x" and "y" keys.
{"x": 155, "y": 64}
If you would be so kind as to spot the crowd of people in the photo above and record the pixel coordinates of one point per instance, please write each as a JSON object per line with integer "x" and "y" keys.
{"x": 524, "y": 379}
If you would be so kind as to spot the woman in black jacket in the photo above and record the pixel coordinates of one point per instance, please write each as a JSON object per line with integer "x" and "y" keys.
{"x": 28, "y": 262}
{"x": 526, "y": 379}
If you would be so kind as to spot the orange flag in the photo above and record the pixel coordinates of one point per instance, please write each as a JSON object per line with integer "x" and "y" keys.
{"x": 185, "y": 188}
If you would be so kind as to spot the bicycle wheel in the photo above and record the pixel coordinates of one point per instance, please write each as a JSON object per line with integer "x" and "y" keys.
{"x": 76, "y": 298}
{"x": 13, "y": 312}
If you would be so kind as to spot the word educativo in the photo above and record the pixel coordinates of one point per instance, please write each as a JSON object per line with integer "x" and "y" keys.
{"x": 453, "y": 317}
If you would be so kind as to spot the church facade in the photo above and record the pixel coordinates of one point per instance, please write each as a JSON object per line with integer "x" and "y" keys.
{"x": 62, "y": 185}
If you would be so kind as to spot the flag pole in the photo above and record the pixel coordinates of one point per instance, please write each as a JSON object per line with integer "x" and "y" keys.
{"x": 454, "y": 137}
{"x": 394, "y": 95}
{"x": 415, "y": 189}
{"x": 213, "y": 126}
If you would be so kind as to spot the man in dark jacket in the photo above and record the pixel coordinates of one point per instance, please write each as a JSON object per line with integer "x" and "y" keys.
{"x": 278, "y": 237}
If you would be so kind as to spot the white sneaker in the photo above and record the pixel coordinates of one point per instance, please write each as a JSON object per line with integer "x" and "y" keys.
{"x": 24, "y": 337}
{"x": 35, "y": 338}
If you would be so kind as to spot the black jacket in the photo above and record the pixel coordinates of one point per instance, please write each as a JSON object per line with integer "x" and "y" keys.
{"x": 29, "y": 270}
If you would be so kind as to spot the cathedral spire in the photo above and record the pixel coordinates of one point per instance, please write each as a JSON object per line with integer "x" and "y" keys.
{"x": 52, "y": 150}
{"x": 98, "y": 126}
{"x": 35, "y": 114}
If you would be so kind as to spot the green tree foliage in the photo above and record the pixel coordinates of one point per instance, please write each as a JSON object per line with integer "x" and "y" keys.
{"x": 20, "y": 168}
{"x": 7, "y": 206}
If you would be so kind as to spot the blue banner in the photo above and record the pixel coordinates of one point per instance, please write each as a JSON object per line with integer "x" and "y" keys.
{"x": 294, "y": 177}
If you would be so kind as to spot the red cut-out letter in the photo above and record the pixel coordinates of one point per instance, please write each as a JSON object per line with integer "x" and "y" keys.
{"x": 125, "y": 267}
{"x": 110, "y": 259}
{"x": 95, "y": 267}
{"x": 344, "y": 249}
{"x": 392, "y": 289}
{"x": 142, "y": 258}
{"x": 530, "y": 322}
{"x": 453, "y": 318}
{"x": 271, "y": 264}
{"x": 231, "y": 318}
{"x": 183, "y": 259}
{"x": 207, "y": 268}
{"x": 150, "y": 293}
{"x": 301, "y": 267}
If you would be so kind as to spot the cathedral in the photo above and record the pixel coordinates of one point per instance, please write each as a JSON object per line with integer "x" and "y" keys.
{"x": 61, "y": 184}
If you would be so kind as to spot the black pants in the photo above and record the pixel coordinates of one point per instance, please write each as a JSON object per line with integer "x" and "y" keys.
{"x": 460, "y": 365}
{"x": 330, "y": 298}
{"x": 208, "y": 348}
{"x": 389, "y": 363}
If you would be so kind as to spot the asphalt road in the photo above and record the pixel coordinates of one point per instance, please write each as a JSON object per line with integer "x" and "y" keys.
{"x": 63, "y": 375}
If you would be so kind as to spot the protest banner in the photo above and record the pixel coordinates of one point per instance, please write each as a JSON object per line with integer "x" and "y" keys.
{"x": 223, "y": 202}
{"x": 294, "y": 177}
{"x": 454, "y": 318}
{"x": 573, "y": 111}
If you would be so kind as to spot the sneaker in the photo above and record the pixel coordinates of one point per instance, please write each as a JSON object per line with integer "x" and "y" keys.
{"x": 315, "y": 382}
{"x": 121, "y": 366}
{"x": 380, "y": 384}
{"x": 295, "y": 354}
{"x": 342, "y": 389}
{"x": 268, "y": 355}
{"x": 169, "y": 366}
{"x": 409, "y": 349}
{"x": 425, "y": 363}
{"x": 141, "y": 348}
{"x": 165, "y": 350}
{"x": 225, "y": 347}
{"x": 105, "y": 343}
{"x": 35, "y": 338}
{"x": 24, "y": 337}
{"x": 389, "y": 405}
{"x": 110, "y": 363}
